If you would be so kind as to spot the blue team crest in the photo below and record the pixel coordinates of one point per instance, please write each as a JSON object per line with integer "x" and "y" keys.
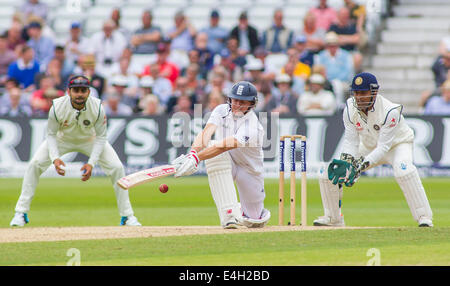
{"x": 246, "y": 138}
{"x": 403, "y": 166}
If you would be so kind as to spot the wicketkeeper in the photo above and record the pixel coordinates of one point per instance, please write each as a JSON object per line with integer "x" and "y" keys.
{"x": 76, "y": 123}
{"x": 235, "y": 155}
{"x": 375, "y": 133}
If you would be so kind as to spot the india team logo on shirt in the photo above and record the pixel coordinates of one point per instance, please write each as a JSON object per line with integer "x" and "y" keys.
{"x": 86, "y": 122}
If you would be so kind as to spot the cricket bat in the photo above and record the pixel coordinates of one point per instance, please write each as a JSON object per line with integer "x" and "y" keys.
{"x": 146, "y": 176}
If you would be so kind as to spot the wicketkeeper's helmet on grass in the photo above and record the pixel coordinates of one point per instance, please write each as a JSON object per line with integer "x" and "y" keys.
{"x": 364, "y": 82}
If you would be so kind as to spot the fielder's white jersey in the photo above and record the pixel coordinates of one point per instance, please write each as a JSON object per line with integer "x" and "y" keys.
{"x": 76, "y": 127}
{"x": 247, "y": 130}
{"x": 382, "y": 129}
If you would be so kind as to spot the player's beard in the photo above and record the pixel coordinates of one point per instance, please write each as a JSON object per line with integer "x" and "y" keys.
{"x": 79, "y": 101}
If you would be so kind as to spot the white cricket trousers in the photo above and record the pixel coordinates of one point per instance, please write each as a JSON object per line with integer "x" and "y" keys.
{"x": 251, "y": 191}
{"x": 108, "y": 161}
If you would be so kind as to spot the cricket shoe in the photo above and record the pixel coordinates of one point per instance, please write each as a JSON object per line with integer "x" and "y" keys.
{"x": 130, "y": 221}
{"x": 256, "y": 223}
{"x": 326, "y": 221}
{"x": 230, "y": 222}
{"x": 425, "y": 222}
{"x": 19, "y": 219}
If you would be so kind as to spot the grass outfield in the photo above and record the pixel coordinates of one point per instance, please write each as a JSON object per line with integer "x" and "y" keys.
{"x": 371, "y": 202}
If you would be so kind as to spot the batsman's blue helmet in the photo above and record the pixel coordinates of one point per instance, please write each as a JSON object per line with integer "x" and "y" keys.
{"x": 364, "y": 81}
{"x": 244, "y": 90}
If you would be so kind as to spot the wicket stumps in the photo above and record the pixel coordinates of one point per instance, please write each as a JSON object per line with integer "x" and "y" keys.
{"x": 292, "y": 182}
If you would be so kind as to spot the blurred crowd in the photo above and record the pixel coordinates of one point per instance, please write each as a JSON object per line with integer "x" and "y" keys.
{"x": 437, "y": 101}
{"x": 150, "y": 72}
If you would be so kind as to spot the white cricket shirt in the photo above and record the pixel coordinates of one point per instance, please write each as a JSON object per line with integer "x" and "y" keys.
{"x": 247, "y": 130}
{"x": 67, "y": 125}
{"x": 381, "y": 130}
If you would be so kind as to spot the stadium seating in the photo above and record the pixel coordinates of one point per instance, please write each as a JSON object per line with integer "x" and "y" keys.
{"x": 408, "y": 47}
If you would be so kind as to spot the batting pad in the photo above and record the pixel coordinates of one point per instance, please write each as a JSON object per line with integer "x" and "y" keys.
{"x": 222, "y": 186}
{"x": 331, "y": 194}
{"x": 415, "y": 195}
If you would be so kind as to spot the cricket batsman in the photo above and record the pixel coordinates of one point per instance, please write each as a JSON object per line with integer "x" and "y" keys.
{"x": 375, "y": 133}
{"x": 76, "y": 123}
{"x": 235, "y": 155}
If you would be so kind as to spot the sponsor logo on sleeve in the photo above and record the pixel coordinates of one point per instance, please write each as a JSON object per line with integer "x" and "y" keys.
{"x": 359, "y": 127}
{"x": 393, "y": 122}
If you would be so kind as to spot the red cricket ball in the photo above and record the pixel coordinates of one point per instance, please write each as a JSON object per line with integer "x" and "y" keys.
{"x": 163, "y": 188}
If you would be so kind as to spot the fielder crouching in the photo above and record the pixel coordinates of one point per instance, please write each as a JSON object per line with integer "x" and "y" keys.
{"x": 76, "y": 123}
{"x": 375, "y": 133}
{"x": 235, "y": 155}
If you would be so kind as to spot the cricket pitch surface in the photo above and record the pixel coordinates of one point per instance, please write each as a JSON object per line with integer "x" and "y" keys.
{"x": 34, "y": 234}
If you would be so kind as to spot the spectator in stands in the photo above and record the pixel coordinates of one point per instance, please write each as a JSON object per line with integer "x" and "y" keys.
{"x": 253, "y": 71}
{"x": 316, "y": 101}
{"x": 305, "y": 55}
{"x": 46, "y": 30}
{"x": 77, "y": 44}
{"x": 338, "y": 64}
{"x": 322, "y": 71}
{"x": 246, "y": 35}
{"x": 184, "y": 104}
{"x": 219, "y": 80}
{"x": 162, "y": 87}
{"x": 150, "y": 106}
{"x": 67, "y": 66}
{"x": 36, "y": 8}
{"x": 441, "y": 67}
{"x": 86, "y": 67}
{"x": 24, "y": 68}
{"x": 217, "y": 35}
{"x": 7, "y": 57}
{"x": 43, "y": 47}
{"x": 54, "y": 71}
{"x": 283, "y": 100}
{"x": 182, "y": 34}
{"x": 439, "y": 105}
{"x": 14, "y": 36}
{"x": 145, "y": 40}
{"x": 114, "y": 107}
{"x": 300, "y": 69}
{"x": 107, "y": 46}
{"x": 5, "y": 100}
{"x": 166, "y": 69}
{"x": 357, "y": 14}
{"x": 115, "y": 16}
{"x": 444, "y": 45}
{"x": 298, "y": 82}
{"x": 195, "y": 83}
{"x": 123, "y": 69}
{"x": 232, "y": 60}
{"x": 214, "y": 99}
{"x": 119, "y": 86}
{"x": 205, "y": 55}
{"x": 145, "y": 88}
{"x": 441, "y": 73}
{"x": 348, "y": 36}
{"x": 181, "y": 89}
{"x": 325, "y": 15}
{"x": 315, "y": 36}
{"x": 16, "y": 108}
{"x": 278, "y": 38}
{"x": 41, "y": 100}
